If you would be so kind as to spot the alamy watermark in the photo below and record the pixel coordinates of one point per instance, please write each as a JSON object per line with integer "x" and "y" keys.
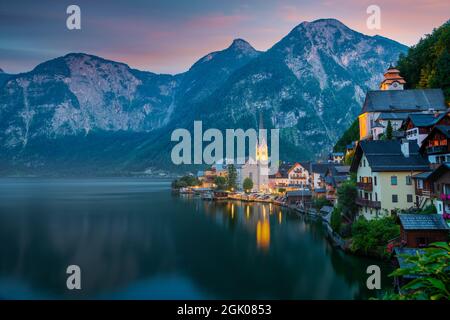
{"x": 190, "y": 150}
{"x": 373, "y": 22}
{"x": 73, "y": 21}
{"x": 74, "y": 279}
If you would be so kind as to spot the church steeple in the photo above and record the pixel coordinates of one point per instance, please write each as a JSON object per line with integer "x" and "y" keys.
{"x": 392, "y": 79}
{"x": 261, "y": 148}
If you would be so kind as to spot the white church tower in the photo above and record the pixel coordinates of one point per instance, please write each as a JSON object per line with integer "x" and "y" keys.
{"x": 262, "y": 160}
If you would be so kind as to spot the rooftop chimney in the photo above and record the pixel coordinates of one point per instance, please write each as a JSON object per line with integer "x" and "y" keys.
{"x": 405, "y": 148}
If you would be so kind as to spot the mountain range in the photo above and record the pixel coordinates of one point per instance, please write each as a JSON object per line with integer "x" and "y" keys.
{"x": 84, "y": 114}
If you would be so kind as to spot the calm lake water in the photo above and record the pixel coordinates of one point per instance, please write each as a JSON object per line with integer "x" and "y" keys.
{"x": 133, "y": 239}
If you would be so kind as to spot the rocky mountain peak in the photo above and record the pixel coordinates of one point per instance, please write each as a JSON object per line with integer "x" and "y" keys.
{"x": 242, "y": 46}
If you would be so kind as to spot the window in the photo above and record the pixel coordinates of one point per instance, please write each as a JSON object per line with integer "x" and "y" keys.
{"x": 393, "y": 180}
{"x": 375, "y": 180}
{"x": 364, "y": 162}
{"x": 376, "y": 196}
{"x": 394, "y": 198}
{"x": 419, "y": 184}
{"x": 408, "y": 180}
{"x": 409, "y": 198}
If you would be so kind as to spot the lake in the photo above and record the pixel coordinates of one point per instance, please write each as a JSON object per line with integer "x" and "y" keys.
{"x": 133, "y": 239}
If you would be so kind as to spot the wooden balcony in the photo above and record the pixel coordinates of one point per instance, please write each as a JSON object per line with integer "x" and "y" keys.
{"x": 368, "y": 203}
{"x": 424, "y": 193}
{"x": 366, "y": 186}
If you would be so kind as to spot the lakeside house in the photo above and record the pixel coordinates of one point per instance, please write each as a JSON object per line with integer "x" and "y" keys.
{"x": 317, "y": 174}
{"x": 420, "y": 230}
{"x": 384, "y": 170}
{"x": 291, "y": 176}
{"x": 302, "y": 198}
{"x": 280, "y": 180}
{"x": 334, "y": 177}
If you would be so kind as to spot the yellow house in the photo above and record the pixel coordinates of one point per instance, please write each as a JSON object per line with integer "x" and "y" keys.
{"x": 384, "y": 170}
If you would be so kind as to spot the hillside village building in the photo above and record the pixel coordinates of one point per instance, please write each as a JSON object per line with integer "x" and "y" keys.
{"x": 419, "y": 125}
{"x": 384, "y": 172}
{"x": 393, "y": 103}
{"x": 436, "y": 146}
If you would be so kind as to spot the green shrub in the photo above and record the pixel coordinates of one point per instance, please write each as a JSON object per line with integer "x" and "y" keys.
{"x": 372, "y": 236}
{"x": 336, "y": 219}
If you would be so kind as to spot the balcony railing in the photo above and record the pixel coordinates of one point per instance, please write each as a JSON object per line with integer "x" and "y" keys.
{"x": 437, "y": 149}
{"x": 423, "y": 193}
{"x": 366, "y": 186}
{"x": 368, "y": 203}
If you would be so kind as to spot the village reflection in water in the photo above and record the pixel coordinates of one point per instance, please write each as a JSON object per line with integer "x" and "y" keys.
{"x": 257, "y": 218}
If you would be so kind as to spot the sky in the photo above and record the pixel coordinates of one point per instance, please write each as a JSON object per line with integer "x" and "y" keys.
{"x": 169, "y": 36}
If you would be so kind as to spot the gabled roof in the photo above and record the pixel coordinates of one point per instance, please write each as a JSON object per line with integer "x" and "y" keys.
{"x": 410, "y": 221}
{"x": 386, "y": 155}
{"x": 445, "y": 130}
{"x": 404, "y": 100}
{"x": 283, "y": 170}
{"x": 422, "y": 175}
{"x": 425, "y": 119}
{"x": 439, "y": 171}
{"x": 320, "y": 168}
{"x": 393, "y": 116}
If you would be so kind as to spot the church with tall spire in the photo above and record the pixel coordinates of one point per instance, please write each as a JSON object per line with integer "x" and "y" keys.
{"x": 257, "y": 169}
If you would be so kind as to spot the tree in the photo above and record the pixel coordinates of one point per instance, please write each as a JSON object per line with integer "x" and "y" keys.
{"x": 350, "y": 135}
{"x": 319, "y": 202}
{"x": 431, "y": 273}
{"x": 220, "y": 182}
{"x": 185, "y": 181}
{"x": 232, "y": 177}
{"x": 336, "y": 219}
{"x": 389, "y": 131}
{"x": 427, "y": 64}
{"x": 248, "y": 184}
{"x": 372, "y": 236}
{"x": 346, "y": 198}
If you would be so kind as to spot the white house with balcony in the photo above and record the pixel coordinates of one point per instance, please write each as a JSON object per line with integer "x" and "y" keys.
{"x": 384, "y": 170}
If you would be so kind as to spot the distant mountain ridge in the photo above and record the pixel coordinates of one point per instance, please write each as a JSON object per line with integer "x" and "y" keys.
{"x": 310, "y": 85}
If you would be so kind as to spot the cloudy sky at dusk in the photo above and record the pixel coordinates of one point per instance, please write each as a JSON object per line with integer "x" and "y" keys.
{"x": 169, "y": 36}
